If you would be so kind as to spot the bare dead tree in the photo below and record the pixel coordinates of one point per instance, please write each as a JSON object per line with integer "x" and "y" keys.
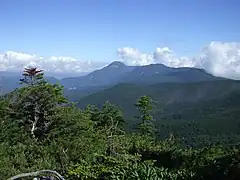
{"x": 111, "y": 133}
{"x": 39, "y": 175}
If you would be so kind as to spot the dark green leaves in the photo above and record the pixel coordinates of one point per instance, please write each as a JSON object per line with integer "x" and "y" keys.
{"x": 145, "y": 106}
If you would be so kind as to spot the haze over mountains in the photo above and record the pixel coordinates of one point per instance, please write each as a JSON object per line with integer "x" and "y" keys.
{"x": 184, "y": 93}
{"x": 116, "y": 73}
{"x": 181, "y": 96}
{"x": 193, "y": 97}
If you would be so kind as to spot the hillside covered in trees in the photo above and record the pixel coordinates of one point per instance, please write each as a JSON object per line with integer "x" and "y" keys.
{"x": 157, "y": 138}
{"x": 209, "y": 110}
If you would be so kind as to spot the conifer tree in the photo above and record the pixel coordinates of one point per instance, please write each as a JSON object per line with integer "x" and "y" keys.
{"x": 36, "y": 102}
{"x": 145, "y": 106}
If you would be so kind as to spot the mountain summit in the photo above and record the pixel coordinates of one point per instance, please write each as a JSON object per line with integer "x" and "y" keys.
{"x": 117, "y": 64}
{"x": 159, "y": 73}
{"x": 108, "y": 75}
{"x": 117, "y": 72}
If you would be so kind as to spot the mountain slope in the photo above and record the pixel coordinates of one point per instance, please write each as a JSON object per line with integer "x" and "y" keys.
{"x": 105, "y": 76}
{"x": 159, "y": 73}
{"x": 117, "y": 72}
{"x": 165, "y": 95}
{"x": 75, "y": 95}
{"x": 198, "y": 112}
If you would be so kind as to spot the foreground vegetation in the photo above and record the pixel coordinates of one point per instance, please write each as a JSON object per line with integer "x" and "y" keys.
{"x": 40, "y": 129}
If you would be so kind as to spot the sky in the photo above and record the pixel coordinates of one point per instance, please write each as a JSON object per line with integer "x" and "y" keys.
{"x": 83, "y": 35}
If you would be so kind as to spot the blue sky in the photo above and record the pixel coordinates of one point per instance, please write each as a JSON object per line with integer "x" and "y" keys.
{"x": 94, "y": 29}
{"x": 81, "y": 34}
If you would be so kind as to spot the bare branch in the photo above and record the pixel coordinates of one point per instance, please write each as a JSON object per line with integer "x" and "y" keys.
{"x": 37, "y": 174}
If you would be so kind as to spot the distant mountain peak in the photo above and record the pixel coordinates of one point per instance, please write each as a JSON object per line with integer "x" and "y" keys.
{"x": 116, "y": 64}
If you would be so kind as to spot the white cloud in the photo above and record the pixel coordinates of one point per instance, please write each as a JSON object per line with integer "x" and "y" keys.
{"x": 15, "y": 61}
{"x": 220, "y": 59}
{"x": 132, "y": 56}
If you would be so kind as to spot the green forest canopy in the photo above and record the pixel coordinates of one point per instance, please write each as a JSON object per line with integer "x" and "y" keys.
{"x": 40, "y": 129}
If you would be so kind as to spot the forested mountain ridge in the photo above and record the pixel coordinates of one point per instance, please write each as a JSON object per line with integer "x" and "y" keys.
{"x": 40, "y": 130}
{"x": 159, "y": 73}
{"x": 211, "y": 109}
{"x": 115, "y": 73}
{"x": 164, "y": 93}
{"x": 102, "y": 77}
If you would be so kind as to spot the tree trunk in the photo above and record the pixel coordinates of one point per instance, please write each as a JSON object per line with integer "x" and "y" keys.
{"x": 33, "y": 129}
{"x": 38, "y": 174}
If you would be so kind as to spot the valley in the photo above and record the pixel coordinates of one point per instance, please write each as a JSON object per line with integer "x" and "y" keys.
{"x": 199, "y": 110}
{"x": 120, "y": 90}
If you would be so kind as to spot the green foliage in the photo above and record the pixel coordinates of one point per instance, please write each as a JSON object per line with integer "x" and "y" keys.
{"x": 92, "y": 144}
{"x": 104, "y": 117}
{"x": 145, "y": 106}
{"x": 104, "y": 167}
{"x": 35, "y": 103}
{"x": 147, "y": 172}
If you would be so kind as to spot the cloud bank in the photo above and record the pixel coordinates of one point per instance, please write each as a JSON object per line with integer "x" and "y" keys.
{"x": 14, "y": 61}
{"x": 218, "y": 58}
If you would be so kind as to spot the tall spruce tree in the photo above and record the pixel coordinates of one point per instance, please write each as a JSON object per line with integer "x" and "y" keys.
{"x": 36, "y": 102}
{"x": 145, "y": 106}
